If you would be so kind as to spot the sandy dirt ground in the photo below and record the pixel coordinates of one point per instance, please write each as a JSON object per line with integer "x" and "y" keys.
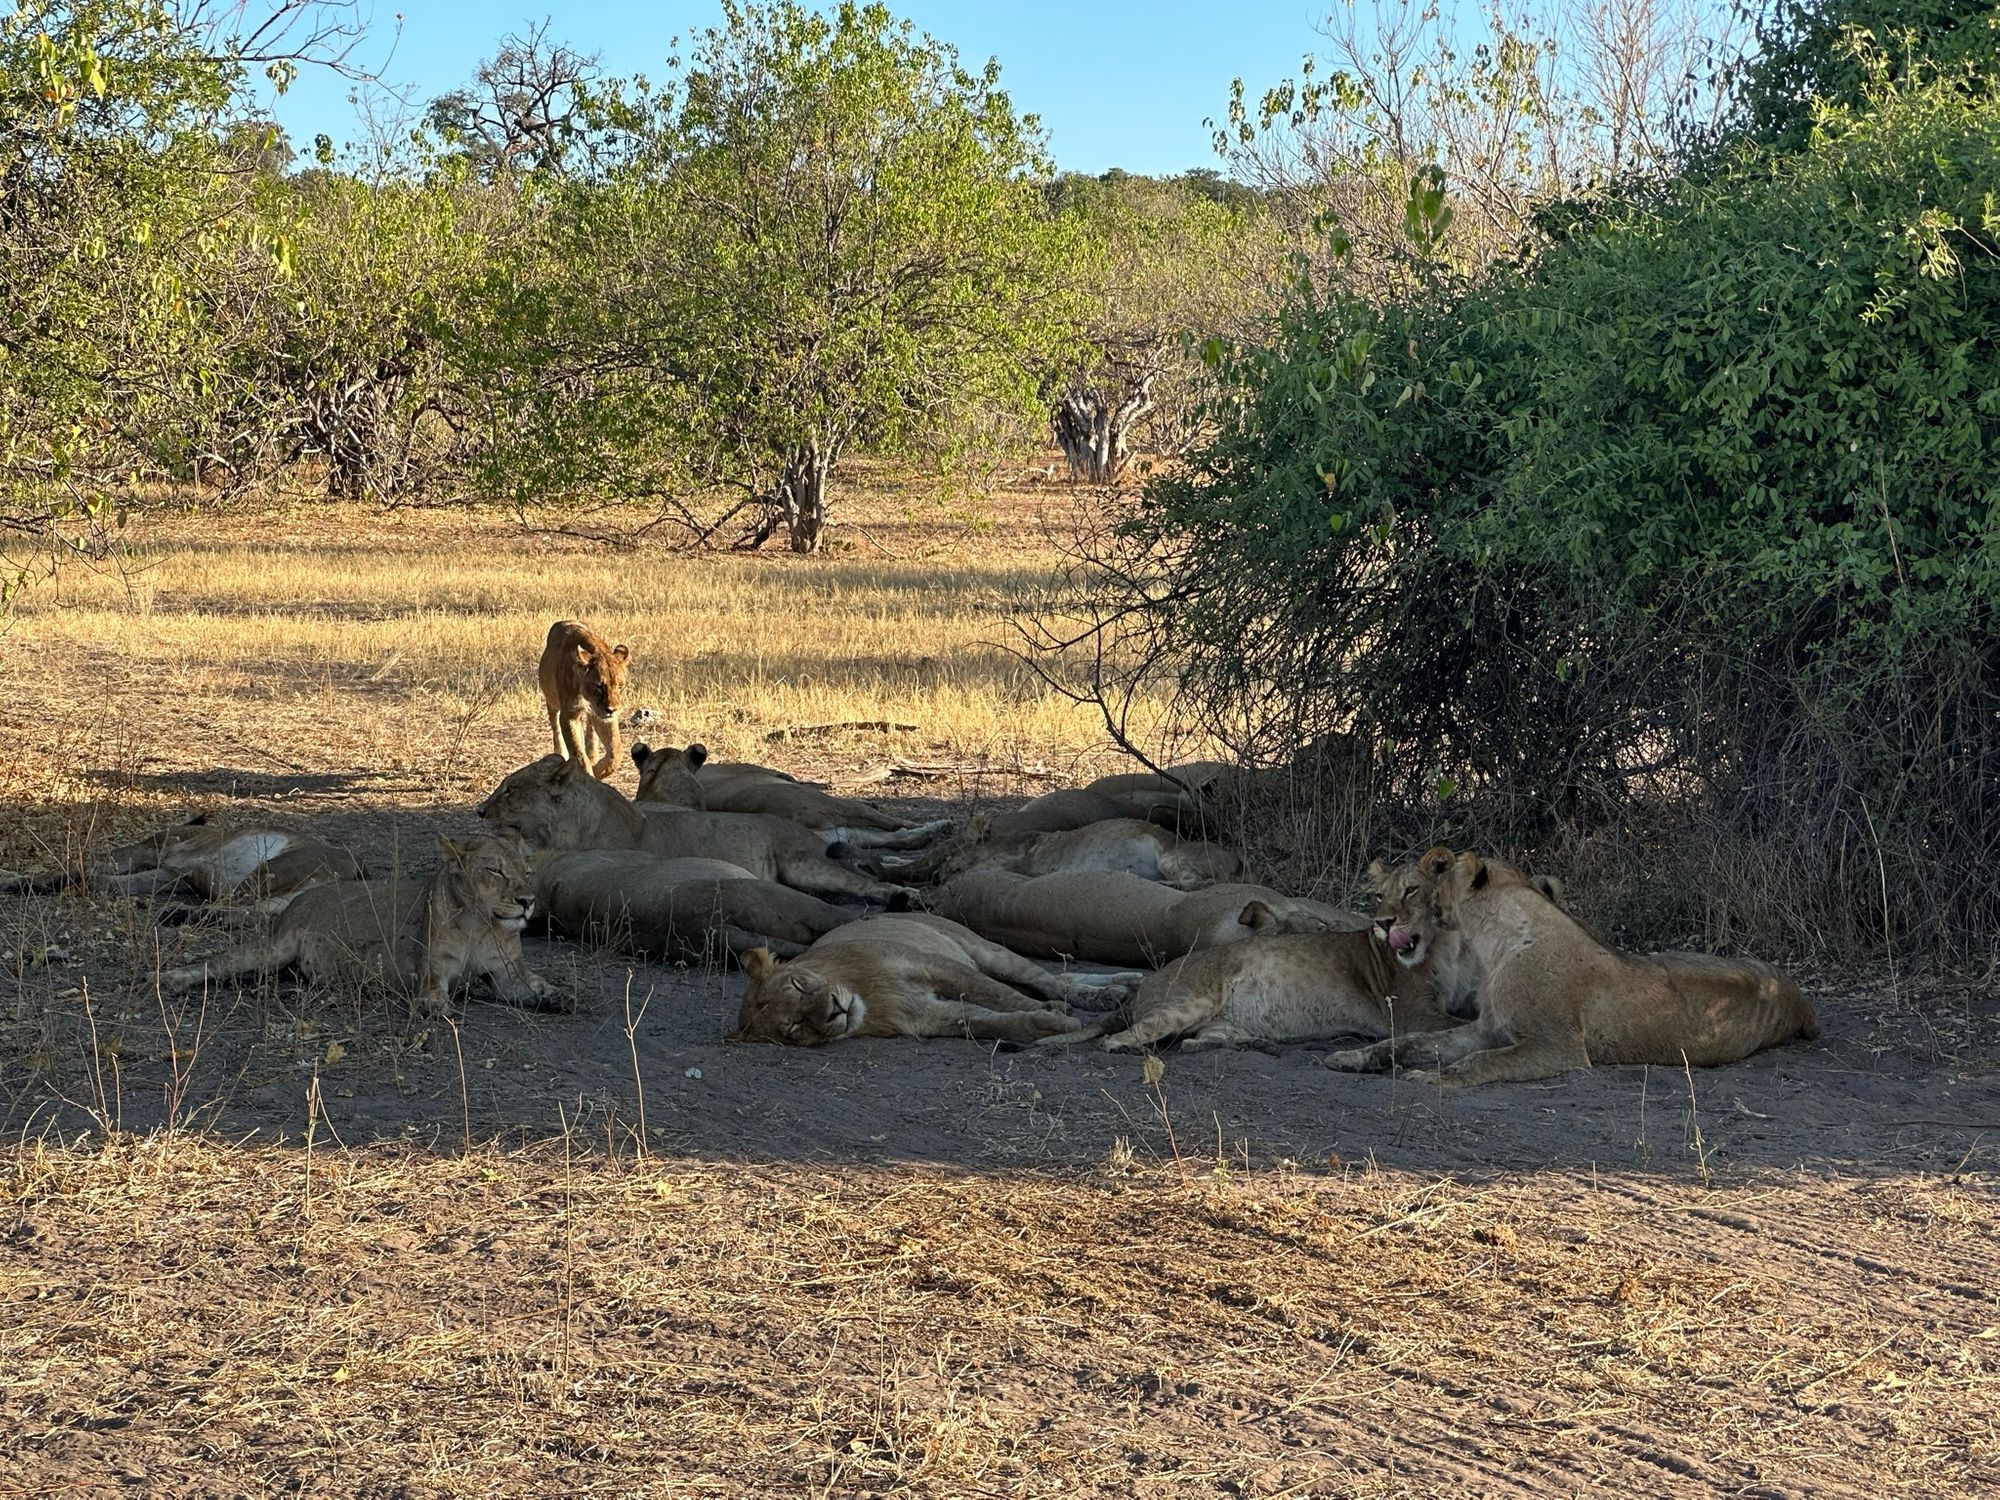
{"x": 555, "y": 1257}
{"x": 276, "y": 1241}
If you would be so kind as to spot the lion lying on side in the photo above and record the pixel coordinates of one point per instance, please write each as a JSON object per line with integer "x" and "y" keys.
{"x": 667, "y": 777}
{"x": 694, "y": 910}
{"x": 552, "y": 807}
{"x": 1126, "y": 846}
{"x": 210, "y": 861}
{"x": 1290, "y": 987}
{"x": 417, "y": 939}
{"x": 1120, "y": 919}
{"x": 905, "y": 975}
{"x": 1552, "y": 997}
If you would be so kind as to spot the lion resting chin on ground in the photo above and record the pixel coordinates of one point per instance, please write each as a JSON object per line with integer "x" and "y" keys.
{"x": 418, "y": 939}
{"x": 689, "y": 909}
{"x": 1287, "y": 987}
{"x": 1121, "y": 919}
{"x": 1552, "y": 997}
{"x": 908, "y": 975}
{"x": 555, "y": 804}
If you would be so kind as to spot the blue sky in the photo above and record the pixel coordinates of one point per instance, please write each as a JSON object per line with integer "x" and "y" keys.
{"x": 1117, "y": 83}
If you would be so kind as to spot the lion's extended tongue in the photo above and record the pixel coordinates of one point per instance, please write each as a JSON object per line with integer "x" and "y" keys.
{"x": 1402, "y": 939}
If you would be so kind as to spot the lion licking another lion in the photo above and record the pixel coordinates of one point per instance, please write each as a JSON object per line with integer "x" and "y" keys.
{"x": 1469, "y": 971}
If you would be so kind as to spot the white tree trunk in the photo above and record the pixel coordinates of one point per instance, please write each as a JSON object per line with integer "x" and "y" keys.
{"x": 1093, "y": 428}
{"x": 803, "y": 500}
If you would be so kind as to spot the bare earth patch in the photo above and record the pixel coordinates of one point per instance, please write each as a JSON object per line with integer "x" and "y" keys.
{"x": 274, "y": 1241}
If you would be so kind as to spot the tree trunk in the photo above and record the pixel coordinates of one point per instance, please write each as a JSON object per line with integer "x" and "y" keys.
{"x": 802, "y": 498}
{"x": 1092, "y": 427}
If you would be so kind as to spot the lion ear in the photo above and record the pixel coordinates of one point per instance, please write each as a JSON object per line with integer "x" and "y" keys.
{"x": 1551, "y": 886}
{"x": 450, "y": 848}
{"x": 758, "y": 963}
{"x": 640, "y": 752}
{"x": 623, "y": 653}
{"x": 1377, "y": 870}
{"x": 565, "y": 773}
{"x": 697, "y": 754}
{"x": 583, "y": 657}
{"x": 1436, "y": 861}
{"x": 1471, "y": 871}
{"x": 1257, "y": 916}
{"x": 978, "y": 826}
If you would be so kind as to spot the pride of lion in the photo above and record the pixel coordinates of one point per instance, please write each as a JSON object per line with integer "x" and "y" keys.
{"x": 849, "y": 921}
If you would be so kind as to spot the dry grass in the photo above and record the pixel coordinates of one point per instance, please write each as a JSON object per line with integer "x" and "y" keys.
{"x": 414, "y": 621}
{"x": 189, "y": 1313}
{"x": 532, "y": 1322}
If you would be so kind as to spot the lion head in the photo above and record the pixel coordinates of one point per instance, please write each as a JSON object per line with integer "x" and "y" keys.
{"x": 484, "y": 877}
{"x": 668, "y": 775}
{"x": 601, "y": 680}
{"x": 793, "y": 1005}
{"x": 551, "y": 803}
{"x": 1416, "y": 901}
{"x": 1407, "y": 911}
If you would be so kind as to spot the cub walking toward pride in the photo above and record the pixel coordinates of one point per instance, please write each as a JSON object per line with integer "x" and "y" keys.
{"x": 583, "y": 682}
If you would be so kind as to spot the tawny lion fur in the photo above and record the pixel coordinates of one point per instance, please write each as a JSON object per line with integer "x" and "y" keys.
{"x": 668, "y": 777}
{"x": 1553, "y": 997}
{"x": 583, "y": 684}
{"x": 1119, "y": 919}
{"x": 417, "y": 939}
{"x": 906, "y": 976}
{"x": 1282, "y": 987}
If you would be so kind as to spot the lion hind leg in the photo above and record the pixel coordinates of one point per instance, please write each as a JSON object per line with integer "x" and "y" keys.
{"x": 1004, "y": 964}
{"x": 940, "y": 1017}
{"x": 266, "y": 957}
{"x": 891, "y": 833}
{"x": 975, "y": 988}
{"x": 819, "y": 874}
{"x": 1417, "y": 1049}
{"x": 1537, "y": 1057}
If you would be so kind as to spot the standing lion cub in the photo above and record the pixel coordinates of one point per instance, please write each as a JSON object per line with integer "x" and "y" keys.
{"x": 583, "y": 683}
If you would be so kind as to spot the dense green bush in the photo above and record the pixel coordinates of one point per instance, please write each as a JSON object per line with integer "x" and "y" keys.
{"x": 1688, "y": 521}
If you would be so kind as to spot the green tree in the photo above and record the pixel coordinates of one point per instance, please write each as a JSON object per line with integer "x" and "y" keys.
{"x": 824, "y": 233}
{"x": 1818, "y": 55}
{"x": 352, "y": 361}
{"x": 129, "y": 156}
{"x": 1162, "y": 266}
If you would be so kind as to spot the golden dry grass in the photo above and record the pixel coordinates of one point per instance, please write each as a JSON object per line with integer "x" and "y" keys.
{"x": 381, "y": 1322}
{"x": 416, "y": 621}
{"x": 759, "y": 1314}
